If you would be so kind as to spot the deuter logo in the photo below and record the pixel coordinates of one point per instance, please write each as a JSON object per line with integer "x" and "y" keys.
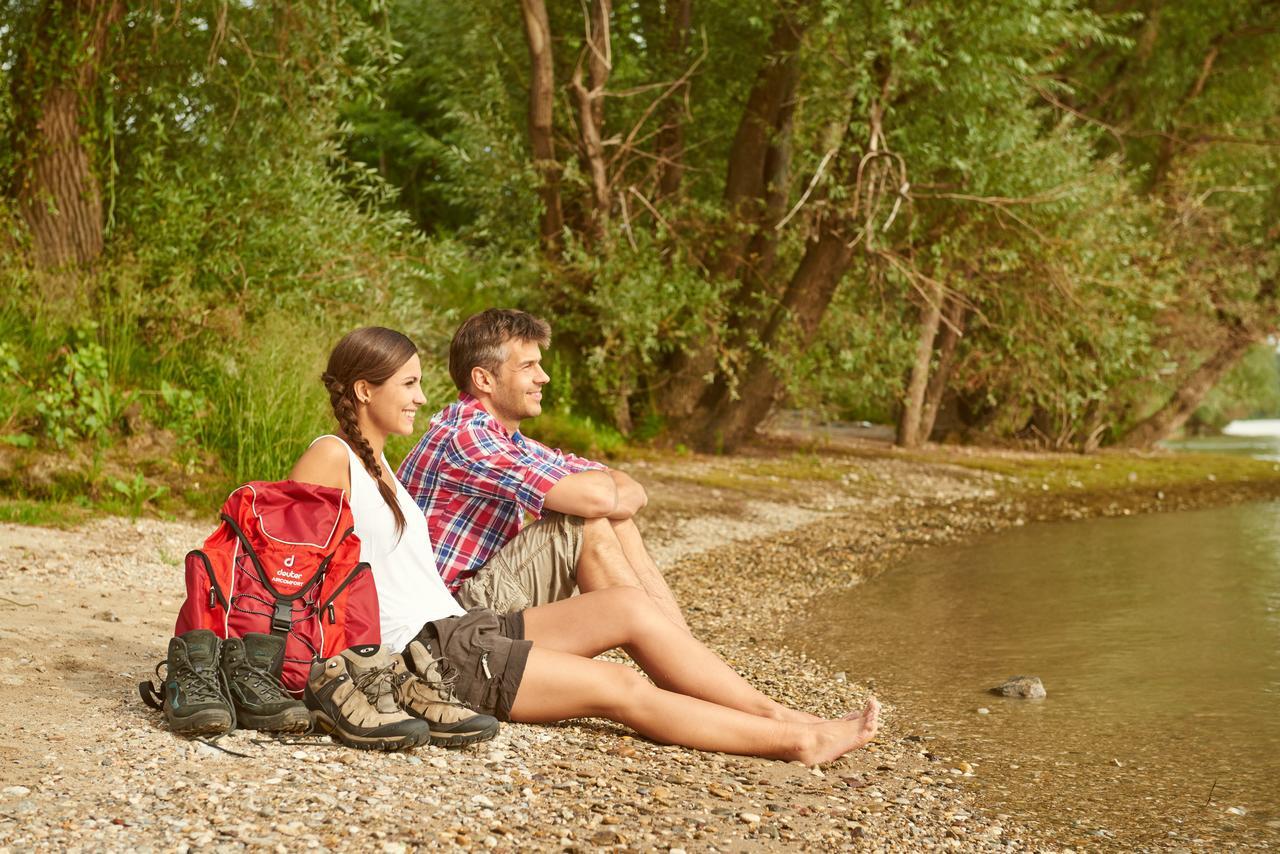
{"x": 286, "y": 574}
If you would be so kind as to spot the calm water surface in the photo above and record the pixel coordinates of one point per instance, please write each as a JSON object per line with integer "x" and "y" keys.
{"x": 1158, "y": 640}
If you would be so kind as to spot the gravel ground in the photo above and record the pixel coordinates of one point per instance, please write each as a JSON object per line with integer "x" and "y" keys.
{"x": 85, "y": 614}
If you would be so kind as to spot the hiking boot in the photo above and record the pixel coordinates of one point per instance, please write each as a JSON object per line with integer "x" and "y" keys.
{"x": 249, "y": 667}
{"x": 193, "y": 700}
{"x": 351, "y": 696}
{"x": 424, "y": 689}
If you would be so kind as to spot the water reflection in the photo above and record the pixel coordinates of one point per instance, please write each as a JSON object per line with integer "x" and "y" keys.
{"x": 1158, "y": 639}
{"x": 1258, "y": 438}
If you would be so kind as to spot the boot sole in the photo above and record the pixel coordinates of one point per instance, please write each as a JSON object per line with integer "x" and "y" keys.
{"x": 366, "y": 742}
{"x": 206, "y": 722}
{"x": 460, "y": 739}
{"x": 296, "y": 720}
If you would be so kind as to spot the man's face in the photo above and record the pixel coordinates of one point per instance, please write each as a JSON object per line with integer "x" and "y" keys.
{"x": 517, "y": 387}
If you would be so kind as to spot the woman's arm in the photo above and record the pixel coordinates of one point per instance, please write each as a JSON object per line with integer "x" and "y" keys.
{"x": 325, "y": 463}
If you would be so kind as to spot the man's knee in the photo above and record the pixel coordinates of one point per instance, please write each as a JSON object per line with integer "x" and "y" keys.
{"x": 599, "y": 539}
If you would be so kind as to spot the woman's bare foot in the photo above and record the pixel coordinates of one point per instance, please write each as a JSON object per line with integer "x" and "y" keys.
{"x": 833, "y": 739}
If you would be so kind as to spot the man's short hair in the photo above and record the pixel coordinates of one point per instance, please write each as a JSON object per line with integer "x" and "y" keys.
{"x": 479, "y": 341}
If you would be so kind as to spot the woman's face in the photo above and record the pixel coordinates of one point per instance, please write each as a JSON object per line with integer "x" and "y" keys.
{"x": 392, "y": 405}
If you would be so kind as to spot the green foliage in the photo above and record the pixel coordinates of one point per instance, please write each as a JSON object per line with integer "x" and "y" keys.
{"x": 1250, "y": 390}
{"x": 79, "y": 400}
{"x": 1096, "y": 185}
{"x": 137, "y": 493}
{"x": 578, "y": 434}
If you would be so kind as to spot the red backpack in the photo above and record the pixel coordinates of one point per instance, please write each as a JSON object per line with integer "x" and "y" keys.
{"x": 284, "y": 561}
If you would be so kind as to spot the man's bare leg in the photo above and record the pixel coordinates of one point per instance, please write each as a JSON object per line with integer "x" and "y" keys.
{"x": 604, "y": 563}
{"x": 651, "y": 579}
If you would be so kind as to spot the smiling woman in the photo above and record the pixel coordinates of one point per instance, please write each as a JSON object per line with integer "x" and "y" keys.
{"x": 536, "y": 665}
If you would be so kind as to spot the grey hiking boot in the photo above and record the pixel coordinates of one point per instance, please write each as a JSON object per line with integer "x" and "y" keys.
{"x": 249, "y": 668}
{"x": 424, "y": 689}
{"x": 351, "y": 697}
{"x": 193, "y": 700}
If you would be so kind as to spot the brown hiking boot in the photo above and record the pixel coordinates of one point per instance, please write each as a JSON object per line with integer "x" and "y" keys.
{"x": 424, "y": 689}
{"x": 352, "y": 699}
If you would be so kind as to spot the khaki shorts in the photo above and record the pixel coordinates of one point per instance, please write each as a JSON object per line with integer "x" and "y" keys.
{"x": 538, "y": 566}
{"x": 488, "y": 654}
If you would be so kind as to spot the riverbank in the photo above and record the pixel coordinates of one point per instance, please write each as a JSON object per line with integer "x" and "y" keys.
{"x": 87, "y": 612}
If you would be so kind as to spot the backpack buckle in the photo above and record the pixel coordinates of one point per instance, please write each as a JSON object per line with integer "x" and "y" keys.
{"x": 282, "y": 617}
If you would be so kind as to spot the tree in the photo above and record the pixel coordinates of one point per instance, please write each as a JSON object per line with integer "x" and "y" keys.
{"x": 54, "y": 168}
{"x": 1193, "y": 110}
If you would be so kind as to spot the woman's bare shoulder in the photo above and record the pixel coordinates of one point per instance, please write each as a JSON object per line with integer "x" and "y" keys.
{"x": 324, "y": 463}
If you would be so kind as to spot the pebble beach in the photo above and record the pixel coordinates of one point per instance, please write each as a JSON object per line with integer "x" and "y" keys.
{"x": 86, "y": 614}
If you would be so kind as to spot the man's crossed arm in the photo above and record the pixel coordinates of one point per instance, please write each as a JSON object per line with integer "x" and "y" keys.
{"x": 607, "y": 494}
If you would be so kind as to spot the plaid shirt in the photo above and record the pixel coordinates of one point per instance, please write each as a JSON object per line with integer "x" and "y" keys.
{"x": 474, "y": 482}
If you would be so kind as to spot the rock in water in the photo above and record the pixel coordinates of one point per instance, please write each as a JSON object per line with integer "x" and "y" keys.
{"x": 1027, "y": 687}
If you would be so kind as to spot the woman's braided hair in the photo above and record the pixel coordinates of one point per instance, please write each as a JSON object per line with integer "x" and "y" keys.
{"x": 372, "y": 354}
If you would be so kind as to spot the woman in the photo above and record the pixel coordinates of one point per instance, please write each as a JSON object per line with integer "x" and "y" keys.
{"x": 544, "y": 656}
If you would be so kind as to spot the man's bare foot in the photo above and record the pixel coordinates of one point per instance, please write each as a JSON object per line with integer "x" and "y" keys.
{"x": 834, "y": 739}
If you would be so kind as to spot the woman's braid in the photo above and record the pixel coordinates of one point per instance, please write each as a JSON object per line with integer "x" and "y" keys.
{"x": 343, "y": 401}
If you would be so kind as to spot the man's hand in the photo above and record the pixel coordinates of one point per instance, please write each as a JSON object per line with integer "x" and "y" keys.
{"x": 631, "y": 496}
{"x": 597, "y": 494}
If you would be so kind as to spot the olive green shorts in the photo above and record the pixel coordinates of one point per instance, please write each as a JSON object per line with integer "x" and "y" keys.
{"x": 538, "y": 566}
{"x": 487, "y": 653}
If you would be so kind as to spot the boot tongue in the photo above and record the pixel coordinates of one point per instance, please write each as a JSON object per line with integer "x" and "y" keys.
{"x": 265, "y": 652}
{"x": 362, "y": 660}
{"x": 368, "y": 657}
{"x": 422, "y": 663}
{"x": 202, "y": 648}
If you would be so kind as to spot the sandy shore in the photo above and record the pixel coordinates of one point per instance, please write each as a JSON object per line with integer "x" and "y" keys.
{"x": 85, "y": 614}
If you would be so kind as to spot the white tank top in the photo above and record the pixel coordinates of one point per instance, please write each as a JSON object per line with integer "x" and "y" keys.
{"x": 410, "y": 591}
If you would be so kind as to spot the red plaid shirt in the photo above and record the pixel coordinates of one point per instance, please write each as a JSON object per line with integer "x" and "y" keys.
{"x": 474, "y": 482}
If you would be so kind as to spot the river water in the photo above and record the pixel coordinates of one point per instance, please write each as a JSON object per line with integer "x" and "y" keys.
{"x": 1157, "y": 638}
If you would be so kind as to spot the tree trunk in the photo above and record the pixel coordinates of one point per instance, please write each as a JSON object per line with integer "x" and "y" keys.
{"x": 1170, "y": 417}
{"x": 909, "y": 433}
{"x": 597, "y": 53}
{"x": 759, "y": 161}
{"x": 57, "y": 189}
{"x": 537, "y": 28}
{"x": 954, "y": 316}
{"x": 670, "y": 143}
{"x": 734, "y": 412}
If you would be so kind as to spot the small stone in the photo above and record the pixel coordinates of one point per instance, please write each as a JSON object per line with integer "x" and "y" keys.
{"x": 107, "y": 616}
{"x": 482, "y": 801}
{"x": 984, "y": 711}
{"x": 606, "y": 837}
{"x": 16, "y": 791}
{"x": 817, "y": 772}
{"x": 1237, "y": 810}
{"x": 1025, "y": 687}
{"x": 749, "y": 818}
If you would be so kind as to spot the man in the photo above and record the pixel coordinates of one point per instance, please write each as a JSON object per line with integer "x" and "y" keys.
{"x": 475, "y": 476}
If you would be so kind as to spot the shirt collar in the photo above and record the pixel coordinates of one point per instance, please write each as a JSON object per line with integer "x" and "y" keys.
{"x": 471, "y": 405}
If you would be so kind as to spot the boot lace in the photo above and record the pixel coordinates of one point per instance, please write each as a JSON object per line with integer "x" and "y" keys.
{"x": 442, "y": 683}
{"x": 266, "y": 684}
{"x": 375, "y": 684}
{"x": 200, "y": 686}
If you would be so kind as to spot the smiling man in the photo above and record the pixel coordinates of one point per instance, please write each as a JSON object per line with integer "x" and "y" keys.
{"x": 476, "y": 476}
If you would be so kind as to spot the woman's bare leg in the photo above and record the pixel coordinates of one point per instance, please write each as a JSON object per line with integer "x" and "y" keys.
{"x": 626, "y": 617}
{"x": 557, "y": 686}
